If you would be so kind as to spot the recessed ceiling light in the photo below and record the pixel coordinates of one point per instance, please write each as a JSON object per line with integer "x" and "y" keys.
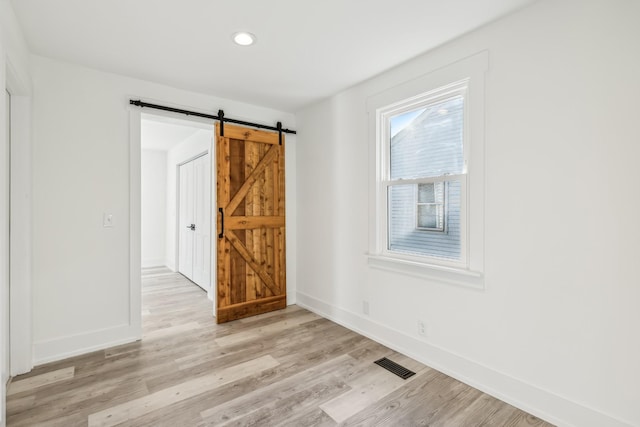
{"x": 244, "y": 39}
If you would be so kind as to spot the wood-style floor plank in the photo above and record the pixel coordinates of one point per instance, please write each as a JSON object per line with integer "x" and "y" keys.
{"x": 274, "y": 328}
{"x": 283, "y": 389}
{"x": 366, "y": 390}
{"x": 32, "y": 383}
{"x": 285, "y": 368}
{"x": 136, "y": 408}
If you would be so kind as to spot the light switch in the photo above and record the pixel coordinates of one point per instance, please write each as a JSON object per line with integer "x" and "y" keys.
{"x": 107, "y": 219}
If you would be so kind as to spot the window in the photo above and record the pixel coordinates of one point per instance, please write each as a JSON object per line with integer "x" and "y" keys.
{"x": 427, "y": 174}
{"x": 425, "y": 140}
{"x": 430, "y": 207}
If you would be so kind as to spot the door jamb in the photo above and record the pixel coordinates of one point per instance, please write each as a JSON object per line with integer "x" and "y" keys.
{"x": 20, "y": 243}
{"x": 135, "y": 222}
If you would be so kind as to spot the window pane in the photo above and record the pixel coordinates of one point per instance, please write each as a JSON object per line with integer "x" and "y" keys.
{"x": 405, "y": 237}
{"x": 428, "y": 141}
{"x": 429, "y": 216}
{"x": 426, "y": 193}
{"x": 432, "y": 192}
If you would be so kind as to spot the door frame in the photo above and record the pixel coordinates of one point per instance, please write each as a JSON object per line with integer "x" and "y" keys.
{"x": 135, "y": 210}
{"x": 20, "y": 248}
{"x": 135, "y": 284}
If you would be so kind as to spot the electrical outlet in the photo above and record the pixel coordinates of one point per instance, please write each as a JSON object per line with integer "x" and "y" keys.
{"x": 365, "y": 307}
{"x": 422, "y": 328}
{"x": 107, "y": 220}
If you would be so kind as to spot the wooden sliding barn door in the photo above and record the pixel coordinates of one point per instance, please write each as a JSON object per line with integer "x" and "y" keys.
{"x": 251, "y": 223}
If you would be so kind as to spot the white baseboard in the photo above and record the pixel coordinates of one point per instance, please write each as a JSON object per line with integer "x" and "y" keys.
{"x": 291, "y": 298}
{"x": 153, "y": 262}
{"x": 534, "y": 400}
{"x": 74, "y": 345}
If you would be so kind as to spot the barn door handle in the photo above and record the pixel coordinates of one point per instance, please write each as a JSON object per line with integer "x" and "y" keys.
{"x": 221, "y": 235}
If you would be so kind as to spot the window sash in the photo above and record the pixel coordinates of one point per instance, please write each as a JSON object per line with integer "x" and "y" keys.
{"x": 384, "y": 229}
{"x": 429, "y": 180}
{"x": 384, "y": 115}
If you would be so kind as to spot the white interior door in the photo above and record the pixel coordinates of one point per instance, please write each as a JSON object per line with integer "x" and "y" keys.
{"x": 186, "y": 221}
{"x": 202, "y": 233}
{"x": 194, "y": 252}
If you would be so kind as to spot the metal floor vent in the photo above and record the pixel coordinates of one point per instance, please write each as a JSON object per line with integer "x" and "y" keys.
{"x": 393, "y": 367}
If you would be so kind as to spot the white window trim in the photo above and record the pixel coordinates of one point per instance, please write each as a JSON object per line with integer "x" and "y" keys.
{"x": 442, "y": 82}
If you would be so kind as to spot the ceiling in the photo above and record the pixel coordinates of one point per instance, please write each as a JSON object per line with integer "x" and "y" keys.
{"x": 306, "y": 50}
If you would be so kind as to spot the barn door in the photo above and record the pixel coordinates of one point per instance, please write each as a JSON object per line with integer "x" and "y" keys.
{"x": 251, "y": 223}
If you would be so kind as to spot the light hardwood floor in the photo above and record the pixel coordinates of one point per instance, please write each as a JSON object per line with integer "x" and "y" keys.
{"x": 289, "y": 368}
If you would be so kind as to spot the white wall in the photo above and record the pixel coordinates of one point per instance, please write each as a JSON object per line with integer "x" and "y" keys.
{"x": 82, "y": 287}
{"x": 556, "y": 329}
{"x": 154, "y": 207}
{"x": 198, "y": 143}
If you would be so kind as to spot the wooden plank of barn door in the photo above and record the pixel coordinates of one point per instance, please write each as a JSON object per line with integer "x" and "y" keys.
{"x": 280, "y": 237}
{"x": 236, "y": 179}
{"x": 258, "y": 211}
{"x": 223, "y": 285}
{"x": 269, "y": 205}
{"x": 250, "y": 164}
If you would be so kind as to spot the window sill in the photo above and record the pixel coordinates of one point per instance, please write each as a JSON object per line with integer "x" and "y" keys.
{"x": 449, "y": 275}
